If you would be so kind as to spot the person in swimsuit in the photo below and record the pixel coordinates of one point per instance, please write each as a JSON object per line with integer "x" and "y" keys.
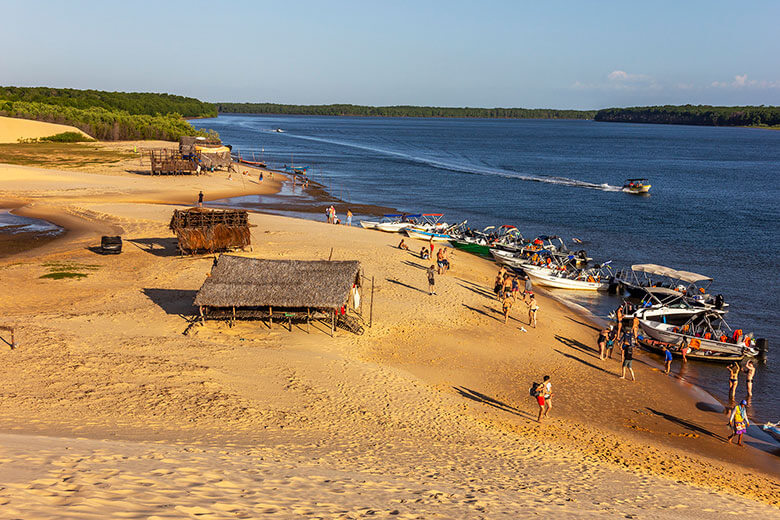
{"x": 402, "y": 245}
{"x": 515, "y": 288}
{"x": 739, "y": 422}
{"x": 533, "y": 309}
{"x": 544, "y": 398}
{"x": 602, "y": 342}
{"x": 619, "y": 315}
{"x": 667, "y": 360}
{"x": 750, "y": 371}
{"x": 733, "y": 379}
{"x": 506, "y": 305}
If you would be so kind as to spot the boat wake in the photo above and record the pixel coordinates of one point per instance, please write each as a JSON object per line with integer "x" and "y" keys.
{"x": 472, "y": 170}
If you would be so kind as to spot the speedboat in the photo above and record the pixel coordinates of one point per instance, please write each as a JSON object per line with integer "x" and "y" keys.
{"x": 772, "y": 429}
{"x": 636, "y": 186}
{"x": 596, "y": 278}
{"x": 653, "y": 278}
{"x": 706, "y": 331}
{"x": 480, "y": 242}
{"x": 666, "y": 305}
{"x": 391, "y": 223}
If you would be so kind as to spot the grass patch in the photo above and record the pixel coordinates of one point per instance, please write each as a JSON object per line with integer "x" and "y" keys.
{"x": 65, "y": 270}
{"x": 63, "y": 274}
{"x": 59, "y": 154}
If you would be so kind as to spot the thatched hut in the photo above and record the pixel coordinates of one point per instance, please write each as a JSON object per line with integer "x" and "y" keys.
{"x": 285, "y": 290}
{"x": 210, "y": 230}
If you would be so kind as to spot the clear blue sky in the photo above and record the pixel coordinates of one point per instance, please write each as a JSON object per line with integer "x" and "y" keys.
{"x": 563, "y": 54}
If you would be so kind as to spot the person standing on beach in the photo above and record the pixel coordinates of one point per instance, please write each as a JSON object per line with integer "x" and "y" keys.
{"x": 529, "y": 288}
{"x": 533, "y": 309}
{"x": 619, "y": 315}
{"x": 611, "y": 338}
{"x": 200, "y": 199}
{"x": 667, "y": 360}
{"x": 506, "y": 305}
{"x": 739, "y": 422}
{"x": 627, "y": 355}
{"x": 349, "y": 217}
{"x": 430, "y": 244}
{"x": 750, "y": 371}
{"x": 431, "y": 280}
{"x": 543, "y": 393}
{"x": 733, "y": 379}
{"x": 602, "y": 342}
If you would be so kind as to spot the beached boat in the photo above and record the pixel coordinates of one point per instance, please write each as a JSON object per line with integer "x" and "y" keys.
{"x": 644, "y": 278}
{"x": 480, "y": 242}
{"x": 427, "y": 235}
{"x": 636, "y": 186}
{"x": 772, "y": 429}
{"x": 699, "y": 355}
{"x": 666, "y": 305}
{"x": 706, "y": 331}
{"x": 597, "y": 278}
{"x": 396, "y": 223}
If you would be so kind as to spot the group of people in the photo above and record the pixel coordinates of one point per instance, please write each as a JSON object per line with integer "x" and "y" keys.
{"x": 507, "y": 288}
{"x": 626, "y": 339}
{"x": 332, "y": 218}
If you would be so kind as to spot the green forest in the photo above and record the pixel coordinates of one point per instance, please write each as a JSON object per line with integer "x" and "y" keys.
{"x": 107, "y": 116}
{"x": 694, "y": 115}
{"x": 136, "y": 103}
{"x": 402, "y": 111}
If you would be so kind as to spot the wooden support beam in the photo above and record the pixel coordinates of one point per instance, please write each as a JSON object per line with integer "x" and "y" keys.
{"x": 11, "y": 330}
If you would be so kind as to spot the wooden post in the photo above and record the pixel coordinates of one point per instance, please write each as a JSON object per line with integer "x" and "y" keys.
{"x": 308, "y": 320}
{"x": 330, "y": 255}
{"x": 270, "y": 316}
{"x": 371, "y": 306}
{"x": 202, "y": 318}
{"x": 333, "y": 324}
{"x": 11, "y": 330}
{"x": 234, "y": 316}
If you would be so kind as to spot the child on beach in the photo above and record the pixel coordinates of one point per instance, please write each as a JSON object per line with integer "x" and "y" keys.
{"x": 667, "y": 360}
{"x": 739, "y": 422}
{"x": 431, "y": 279}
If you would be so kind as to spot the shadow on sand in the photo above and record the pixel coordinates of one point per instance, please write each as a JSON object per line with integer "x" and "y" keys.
{"x": 490, "y": 401}
{"x": 173, "y": 301}
{"x": 164, "y": 247}
{"x": 405, "y": 285}
{"x": 577, "y": 345}
{"x": 587, "y": 363}
{"x": 688, "y": 425}
{"x": 483, "y": 313}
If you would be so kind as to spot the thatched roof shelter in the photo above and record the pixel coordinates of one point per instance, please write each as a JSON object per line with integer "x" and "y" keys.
{"x": 200, "y": 229}
{"x": 252, "y": 282}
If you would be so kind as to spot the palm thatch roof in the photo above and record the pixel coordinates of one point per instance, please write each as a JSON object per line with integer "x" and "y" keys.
{"x": 254, "y": 282}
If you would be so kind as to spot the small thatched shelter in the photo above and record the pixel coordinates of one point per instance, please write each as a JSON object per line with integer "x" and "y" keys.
{"x": 256, "y": 288}
{"x": 210, "y": 230}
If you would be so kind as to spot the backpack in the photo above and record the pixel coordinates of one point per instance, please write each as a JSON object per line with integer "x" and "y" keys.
{"x": 535, "y": 390}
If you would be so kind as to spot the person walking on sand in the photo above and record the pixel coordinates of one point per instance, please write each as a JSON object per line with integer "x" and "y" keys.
{"x": 506, "y": 305}
{"x": 750, "y": 371}
{"x": 430, "y": 244}
{"x": 349, "y": 216}
{"x": 739, "y": 422}
{"x": 627, "y": 354}
{"x": 611, "y": 338}
{"x": 200, "y": 199}
{"x": 733, "y": 379}
{"x": 667, "y": 360}
{"x": 431, "y": 280}
{"x": 533, "y": 309}
{"x": 543, "y": 393}
{"x": 602, "y": 342}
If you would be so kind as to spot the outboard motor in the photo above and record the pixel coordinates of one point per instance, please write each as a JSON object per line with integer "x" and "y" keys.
{"x": 762, "y": 345}
{"x": 719, "y": 301}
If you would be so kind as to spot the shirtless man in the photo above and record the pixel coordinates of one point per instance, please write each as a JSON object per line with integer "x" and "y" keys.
{"x": 507, "y": 285}
{"x": 507, "y": 305}
{"x": 619, "y": 315}
{"x": 750, "y": 371}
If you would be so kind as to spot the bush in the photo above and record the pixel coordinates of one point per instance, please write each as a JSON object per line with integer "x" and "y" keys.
{"x": 67, "y": 137}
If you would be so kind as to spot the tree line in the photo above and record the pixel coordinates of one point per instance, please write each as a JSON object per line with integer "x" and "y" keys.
{"x": 103, "y": 124}
{"x": 136, "y": 103}
{"x": 402, "y": 111}
{"x": 694, "y": 115}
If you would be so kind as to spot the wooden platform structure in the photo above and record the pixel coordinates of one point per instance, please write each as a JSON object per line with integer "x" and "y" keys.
{"x": 208, "y": 152}
{"x": 170, "y": 162}
{"x": 210, "y": 230}
{"x": 281, "y": 290}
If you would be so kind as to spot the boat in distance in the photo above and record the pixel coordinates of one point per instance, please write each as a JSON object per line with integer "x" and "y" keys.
{"x": 636, "y": 186}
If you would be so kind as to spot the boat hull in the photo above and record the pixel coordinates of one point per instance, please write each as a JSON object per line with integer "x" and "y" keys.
{"x": 557, "y": 282}
{"x": 637, "y": 190}
{"x": 427, "y": 235}
{"x": 368, "y": 224}
{"x": 656, "y": 346}
{"x": 471, "y": 247}
{"x": 659, "y": 332}
{"x": 392, "y": 227}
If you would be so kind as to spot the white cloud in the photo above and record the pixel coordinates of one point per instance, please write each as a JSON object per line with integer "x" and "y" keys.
{"x": 742, "y": 81}
{"x": 621, "y": 75}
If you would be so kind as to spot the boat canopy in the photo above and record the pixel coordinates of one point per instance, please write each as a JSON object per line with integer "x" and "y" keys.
{"x": 685, "y": 276}
{"x": 635, "y": 180}
{"x": 401, "y": 215}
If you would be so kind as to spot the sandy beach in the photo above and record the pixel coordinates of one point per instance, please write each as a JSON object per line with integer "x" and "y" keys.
{"x": 109, "y": 410}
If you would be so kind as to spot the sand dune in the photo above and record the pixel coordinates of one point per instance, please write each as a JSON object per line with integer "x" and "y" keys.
{"x": 12, "y": 129}
{"x": 425, "y": 415}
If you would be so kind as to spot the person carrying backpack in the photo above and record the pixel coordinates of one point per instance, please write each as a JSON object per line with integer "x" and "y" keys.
{"x": 543, "y": 394}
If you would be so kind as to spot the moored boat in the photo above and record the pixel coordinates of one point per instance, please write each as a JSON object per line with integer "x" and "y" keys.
{"x": 706, "y": 331}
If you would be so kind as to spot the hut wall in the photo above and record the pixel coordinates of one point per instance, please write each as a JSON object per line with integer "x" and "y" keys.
{"x": 200, "y": 229}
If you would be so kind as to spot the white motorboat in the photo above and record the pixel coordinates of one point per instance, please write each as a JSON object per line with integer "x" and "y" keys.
{"x": 706, "y": 331}
{"x": 657, "y": 278}
{"x": 668, "y": 306}
{"x": 427, "y": 235}
{"x": 597, "y": 278}
{"x": 391, "y": 223}
{"x": 369, "y": 224}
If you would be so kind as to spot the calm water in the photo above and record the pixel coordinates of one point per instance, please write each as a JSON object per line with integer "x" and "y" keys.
{"x": 714, "y": 207}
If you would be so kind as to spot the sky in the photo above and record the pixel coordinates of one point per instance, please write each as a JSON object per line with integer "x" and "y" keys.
{"x": 532, "y": 54}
